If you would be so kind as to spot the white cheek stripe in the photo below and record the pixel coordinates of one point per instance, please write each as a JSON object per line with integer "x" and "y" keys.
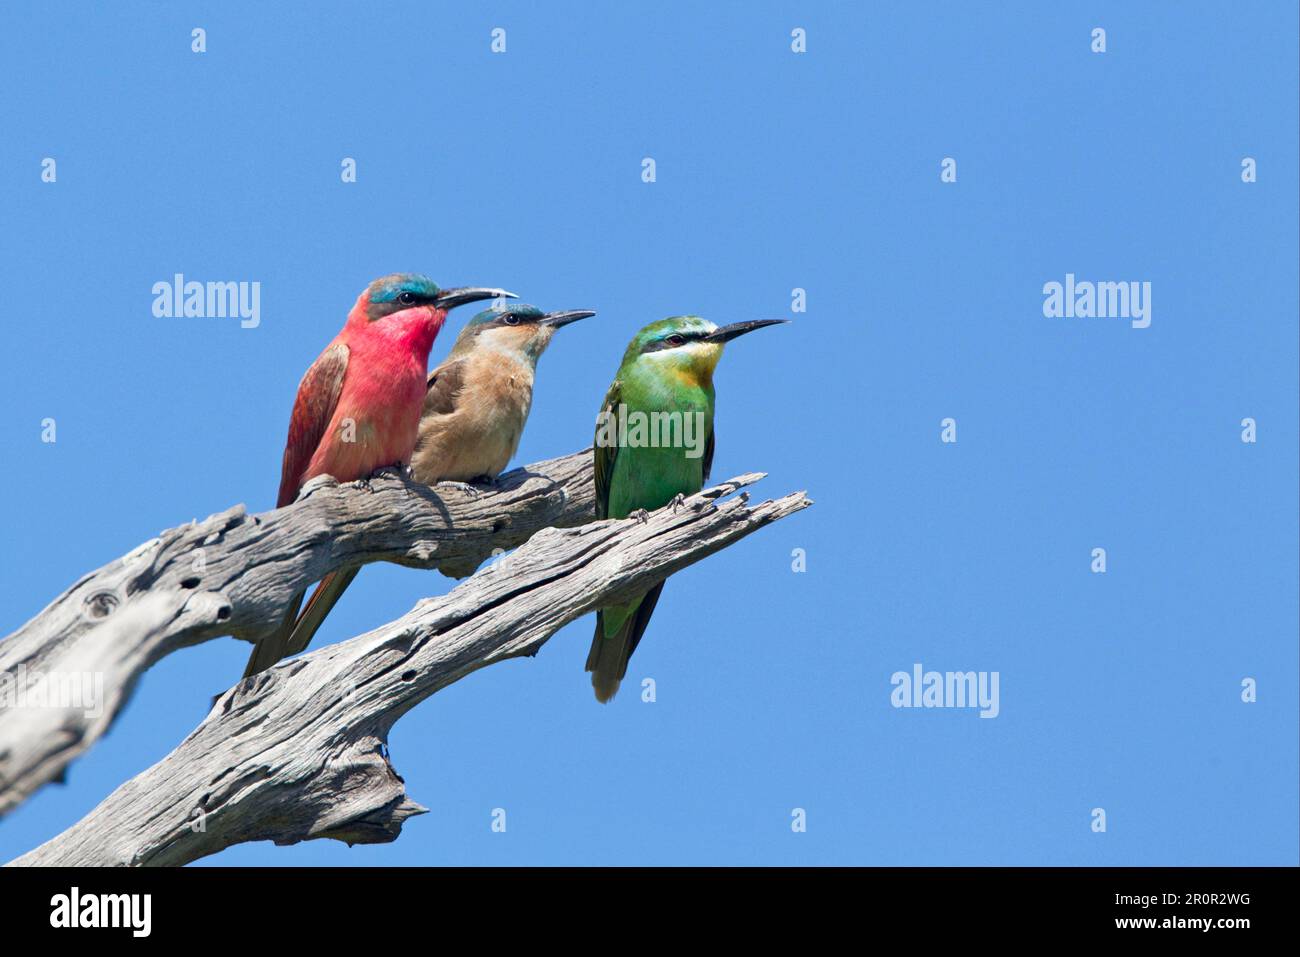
{"x": 703, "y": 349}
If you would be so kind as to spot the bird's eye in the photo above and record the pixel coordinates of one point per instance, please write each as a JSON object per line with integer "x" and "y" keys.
{"x": 407, "y": 299}
{"x": 511, "y": 319}
{"x": 675, "y": 340}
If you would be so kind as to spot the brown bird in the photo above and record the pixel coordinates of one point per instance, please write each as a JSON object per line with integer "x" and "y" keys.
{"x": 475, "y": 407}
{"x": 358, "y": 406}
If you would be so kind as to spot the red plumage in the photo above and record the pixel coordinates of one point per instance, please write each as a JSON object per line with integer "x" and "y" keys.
{"x": 358, "y": 406}
{"x": 357, "y": 410}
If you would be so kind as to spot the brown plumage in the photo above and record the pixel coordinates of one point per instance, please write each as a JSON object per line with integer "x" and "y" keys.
{"x": 474, "y": 415}
{"x": 475, "y": 406}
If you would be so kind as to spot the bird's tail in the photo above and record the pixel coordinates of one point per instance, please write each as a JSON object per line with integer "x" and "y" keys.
{"x": 322, "y": 601}
{"x": 296, "y": 632}
{"x": 612, "y": 649}
{"x": 607, "y": 660}
{"x": 271, "y": 648}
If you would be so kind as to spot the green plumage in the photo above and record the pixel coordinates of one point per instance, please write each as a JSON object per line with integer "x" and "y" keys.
{"x": 655, "y": 377}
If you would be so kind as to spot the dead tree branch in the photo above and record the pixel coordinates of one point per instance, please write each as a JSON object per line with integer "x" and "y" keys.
{"x": 234, "y": 574}
{"x": 300, "y": 751}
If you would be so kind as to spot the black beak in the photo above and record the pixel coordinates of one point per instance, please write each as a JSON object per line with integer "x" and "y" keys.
{"x": 727, "y": 333}
{"x": 557, "y": 320}
{"x": 451, "y": 298}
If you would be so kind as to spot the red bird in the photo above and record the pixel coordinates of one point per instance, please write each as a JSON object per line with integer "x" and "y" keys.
{"x": 358, "y": 407}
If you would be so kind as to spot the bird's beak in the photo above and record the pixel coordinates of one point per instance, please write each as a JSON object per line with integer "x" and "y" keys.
{"x": 727, "y": 333}
{"x": 451, "y": 298}
{"x": 558, "y": 319}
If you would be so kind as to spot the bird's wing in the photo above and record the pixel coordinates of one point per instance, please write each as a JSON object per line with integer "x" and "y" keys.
{"x": 708, "y": 455}
{"x": 318, "y": 395}
{"x": 445, "y": 383}
{"x": 606, "y": 454}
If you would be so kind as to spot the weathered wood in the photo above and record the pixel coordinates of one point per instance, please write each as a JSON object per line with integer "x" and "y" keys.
{"x": 300, "y": 751}
{"x": 233, "y": 574}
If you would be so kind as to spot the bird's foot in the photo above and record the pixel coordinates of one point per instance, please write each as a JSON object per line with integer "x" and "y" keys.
{"x": 399, "y": 468}
{"x": 641, "y": 515}
{"x": 465, "y": 487}
{"x": 677, "y": 502}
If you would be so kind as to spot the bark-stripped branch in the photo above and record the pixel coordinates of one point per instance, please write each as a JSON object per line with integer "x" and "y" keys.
{"x": 234, "y": 574}
{"x": 299, "y": 752}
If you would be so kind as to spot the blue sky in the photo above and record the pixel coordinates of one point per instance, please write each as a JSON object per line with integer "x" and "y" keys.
{"x": 775, "y": 170}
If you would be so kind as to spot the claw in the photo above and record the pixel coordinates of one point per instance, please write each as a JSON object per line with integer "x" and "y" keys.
{"x": 465, "y": 487}
{"x": 641, "y": 515}
{"x": 399, "y": 467}
{"x": 677, "y": 501}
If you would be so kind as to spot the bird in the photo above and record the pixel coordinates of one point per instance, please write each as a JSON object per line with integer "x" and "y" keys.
{"x": 358, "y": 405}
{"x": 475, "y": 405}
{"x": 478, "y": 398}
{"x": 666, "y": 371}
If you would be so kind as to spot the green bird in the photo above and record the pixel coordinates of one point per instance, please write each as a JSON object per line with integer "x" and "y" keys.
{"x": 654, "y": 445}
